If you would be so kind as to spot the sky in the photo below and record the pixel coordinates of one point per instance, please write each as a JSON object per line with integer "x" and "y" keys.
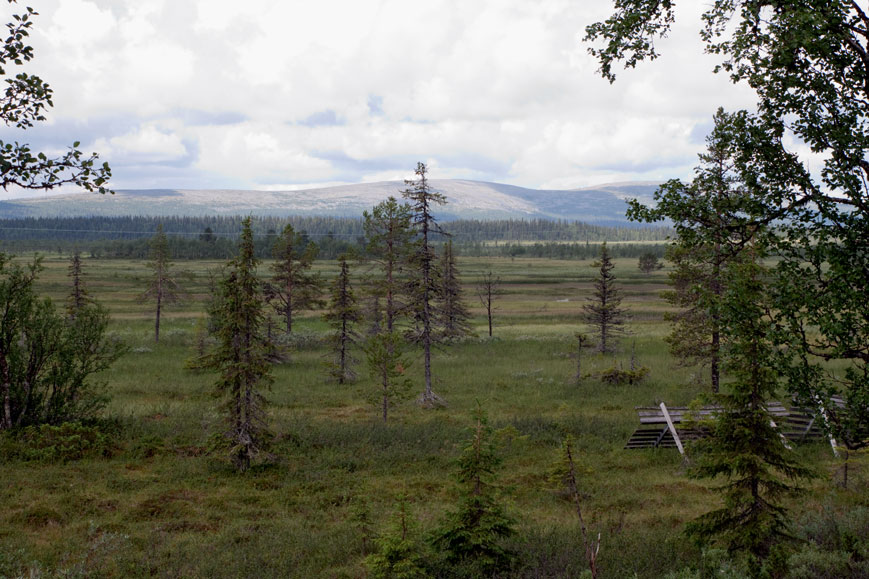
{"x": 288, "y": 94}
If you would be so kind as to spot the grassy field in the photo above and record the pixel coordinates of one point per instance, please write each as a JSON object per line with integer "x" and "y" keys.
{"x": 165, "y": 504}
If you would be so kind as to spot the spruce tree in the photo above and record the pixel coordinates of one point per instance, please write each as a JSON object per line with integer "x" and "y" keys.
{"x": 603, "y": 312}
{"x": 745, "y": 449}
{"x": 807, "y": 62}
{"x": 398, "y": 553}
{"x": 387, "y": 366}
{"x": 695, "y": 338}
{"x": 474, "y": 534}
{"x": 343, "y": 315}
{"x": 162, "y": 287}
{"x": 241, "y": 354}
{"x": 453, "y": 312}
{"x": 388, "y": 238}
{"x": 424, "y": 288}
{"x": 78, "y": 295}
{"x": 292, "y": 287}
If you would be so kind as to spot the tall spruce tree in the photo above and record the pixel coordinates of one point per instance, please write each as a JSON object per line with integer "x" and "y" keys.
{"x": 162, "y": 287}
{"x": 807, "y": 63}
{"x": 722, "y": 240}
{"x": 424, "y": 288}
{"x": 453, "y": 312}
{"x": 716, "y": 216}
{"x": 745, "y": 448}
{"x": 388, "y": 238}
{"x": 78, "y": 295}
{"x": 695, "y": 338}
{"x": 603, "y": 312}
{"x": 343, "y": 315}
{"x": 293, "y": 287}
{"x": 241, "y": 354}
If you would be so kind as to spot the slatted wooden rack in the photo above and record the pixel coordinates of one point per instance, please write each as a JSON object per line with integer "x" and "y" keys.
{"x": 663, "y": 427}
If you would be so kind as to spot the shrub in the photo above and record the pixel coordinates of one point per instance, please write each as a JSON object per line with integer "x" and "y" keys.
{"x": 62, "y": 443}
{"x": 619, "y": 377}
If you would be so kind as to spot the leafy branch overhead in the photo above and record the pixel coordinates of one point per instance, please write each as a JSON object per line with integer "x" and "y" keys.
{"x": 24, "y": 102}
{"x": 807, "y": 63}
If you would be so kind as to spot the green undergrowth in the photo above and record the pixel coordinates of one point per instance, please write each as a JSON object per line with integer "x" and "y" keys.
{"x": 146, "y": 492}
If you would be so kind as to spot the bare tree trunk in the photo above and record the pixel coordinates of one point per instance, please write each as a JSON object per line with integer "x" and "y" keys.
{"x": 288, "y": 313}
{"x": 592, "y": 547}
{"x": 157, "y": 319}
{"x": 716, "y": 320}
{"x": 385, "y": 395}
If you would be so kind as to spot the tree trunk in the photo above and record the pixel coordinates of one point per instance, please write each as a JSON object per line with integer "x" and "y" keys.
{"x": 157, "y": 318}
{"x": 489, "y": 311}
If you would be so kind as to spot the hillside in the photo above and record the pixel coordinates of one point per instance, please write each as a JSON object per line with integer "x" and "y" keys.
{"x": 603, "y": 205}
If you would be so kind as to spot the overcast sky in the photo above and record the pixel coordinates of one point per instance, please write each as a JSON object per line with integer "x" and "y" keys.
{"x": 271, "y": 94}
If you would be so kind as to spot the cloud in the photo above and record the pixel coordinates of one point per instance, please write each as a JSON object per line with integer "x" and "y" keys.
{"x": 146, "y": 144}
{"x": 326, "y": 118}
{"x": 266, "y": 94}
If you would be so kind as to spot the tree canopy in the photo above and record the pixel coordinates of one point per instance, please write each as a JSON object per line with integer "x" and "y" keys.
{"x": 808, "y": 62}
{"x": 24, "y": 102}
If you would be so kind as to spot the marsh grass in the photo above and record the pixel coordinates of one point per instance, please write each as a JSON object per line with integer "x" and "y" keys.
{"x": 166, "y": 503}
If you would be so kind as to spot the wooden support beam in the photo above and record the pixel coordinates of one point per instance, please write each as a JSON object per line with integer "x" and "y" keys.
{"x": 827, "y": 422}
{"x": 672, "y": 429}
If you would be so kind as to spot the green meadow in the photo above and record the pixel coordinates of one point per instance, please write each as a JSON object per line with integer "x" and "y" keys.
{"x": 159, "y": 500}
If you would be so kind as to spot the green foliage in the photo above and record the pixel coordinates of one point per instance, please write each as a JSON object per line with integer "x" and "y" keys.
{"x": 78, "y": 295}
{"x": 618, "y": 376}
{"x": 241, "y": 354}
{"x": 603, "y": 312}
{"x": 26, "y": 99}
{"x": 128, "y": 237}
{"x": 453, "y": 313}
{"x": 162, "y": 287}
{"x": 47, "y": 360}
{"x": 745, "y": 449}
{"x": 388, "y": 237}
{"x": 293, "y": 288}
{"x": 388, "y": 367}
{"x": 343, "y": 315}
{"x": 423, "y": 286}
{"x": 188, "y": 514}
{"x": 399, "y": 554}
{"x": 65, "y": 442}
{"x": 476, "y": 531}
{"x": 648, "y": 262}
{"x": 696, "y": 337}
{"x": 807, "y": 63}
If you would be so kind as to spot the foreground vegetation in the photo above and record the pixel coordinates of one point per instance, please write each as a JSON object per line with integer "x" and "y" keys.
{"x": 145, "y": 492}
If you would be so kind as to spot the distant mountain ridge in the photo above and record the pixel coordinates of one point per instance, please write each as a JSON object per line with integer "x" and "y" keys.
{"x": 603, "y": 204}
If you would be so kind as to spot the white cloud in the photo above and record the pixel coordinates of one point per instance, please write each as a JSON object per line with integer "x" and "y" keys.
{"x": 495, "y": 89}
{"x": 145, "y": 144}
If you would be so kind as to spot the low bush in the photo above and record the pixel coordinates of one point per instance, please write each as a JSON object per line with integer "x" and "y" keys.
{"x": 62, "y": 443}
{"x": 619, "y": 377}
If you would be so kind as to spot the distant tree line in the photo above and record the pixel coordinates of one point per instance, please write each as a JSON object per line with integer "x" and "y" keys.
{"x": 216, "y": 237}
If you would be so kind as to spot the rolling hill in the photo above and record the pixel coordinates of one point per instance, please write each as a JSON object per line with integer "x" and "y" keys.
{"x": 604, "y": 204}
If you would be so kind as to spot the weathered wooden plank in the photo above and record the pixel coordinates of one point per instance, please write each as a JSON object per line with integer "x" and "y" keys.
{"x": 672, "y": 429}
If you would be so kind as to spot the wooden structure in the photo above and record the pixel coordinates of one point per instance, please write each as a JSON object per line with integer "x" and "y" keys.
{"x": 663, "y": 427}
